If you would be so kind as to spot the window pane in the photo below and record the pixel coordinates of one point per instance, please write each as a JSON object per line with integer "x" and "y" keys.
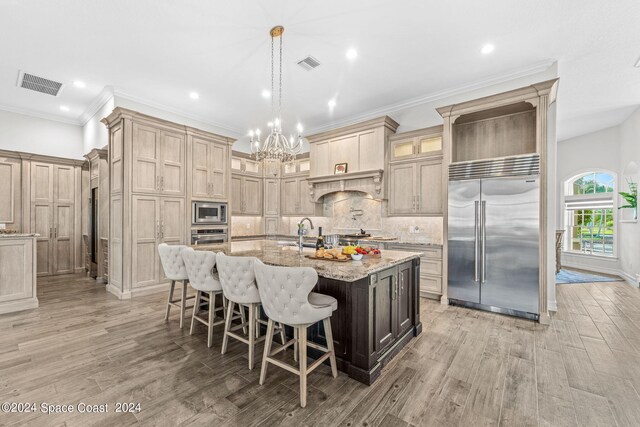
{"x": 604, "y": 183}
{"x": 591, "y": 232}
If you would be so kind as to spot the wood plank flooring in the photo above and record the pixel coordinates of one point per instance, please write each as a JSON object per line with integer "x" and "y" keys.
{"x": 467, "y": 368}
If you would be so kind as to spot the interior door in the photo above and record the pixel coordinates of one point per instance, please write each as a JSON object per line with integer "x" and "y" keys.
{"x": 172, "y": 163}
{"x": 511, "y": 267}
{"x": 145, "y": 232}
{"x": 463, "y": 241}
{"x": 146, "y": 157}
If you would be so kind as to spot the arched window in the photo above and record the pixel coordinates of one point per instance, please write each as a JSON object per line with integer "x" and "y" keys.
{"x": 589, "y": 214}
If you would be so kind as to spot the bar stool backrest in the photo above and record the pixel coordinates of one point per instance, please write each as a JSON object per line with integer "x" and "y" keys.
{"x": 285, "y": 294}
{"x": 237, "y": 278}
{"x": 171, "y": 258}
{"x": 199, "y": 265}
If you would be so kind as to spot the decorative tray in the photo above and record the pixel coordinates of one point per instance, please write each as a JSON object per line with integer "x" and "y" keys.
{"x": 328, "y": 259}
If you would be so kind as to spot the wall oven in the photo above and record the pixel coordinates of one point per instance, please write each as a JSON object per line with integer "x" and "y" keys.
{"x": 209, "y": 213}
{"x": 212, "y": 236}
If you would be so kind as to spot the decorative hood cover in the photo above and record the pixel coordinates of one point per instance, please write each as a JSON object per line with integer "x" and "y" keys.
{"x": 370, "y": 182}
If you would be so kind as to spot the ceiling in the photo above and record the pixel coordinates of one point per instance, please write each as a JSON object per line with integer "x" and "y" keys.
{"x": 158, "y": 51}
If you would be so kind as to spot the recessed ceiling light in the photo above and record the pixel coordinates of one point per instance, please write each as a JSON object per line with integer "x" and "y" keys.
{"x": 64, "y": 108}
{"x": 352, "y": 54}
{"x": 79, "y": 84}
{"x": 194, "y": 95}
{"x": 266, "y": 94}
{"x": 487, "y": 49}
{"x": 332, "y": 103}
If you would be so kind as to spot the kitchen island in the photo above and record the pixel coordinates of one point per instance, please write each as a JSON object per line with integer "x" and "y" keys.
{"x": 378, "y": 301}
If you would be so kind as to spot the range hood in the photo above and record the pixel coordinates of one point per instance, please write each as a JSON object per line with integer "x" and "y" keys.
{"x": 370, "y": 182}
{"x": 360, "y": 148}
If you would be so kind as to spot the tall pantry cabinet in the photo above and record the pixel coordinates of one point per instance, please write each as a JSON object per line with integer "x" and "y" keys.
{"x": 156, "y": 169}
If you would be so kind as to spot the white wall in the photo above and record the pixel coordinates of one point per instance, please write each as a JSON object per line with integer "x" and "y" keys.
{"x": 609, "y": 149}
{"x": 19, "y": 132}
{"x": 630, "y": 231}
{"x": 95, "y": 133}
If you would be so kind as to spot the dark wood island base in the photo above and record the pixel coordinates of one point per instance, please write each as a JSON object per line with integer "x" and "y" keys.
{"x": 376, "y": 317}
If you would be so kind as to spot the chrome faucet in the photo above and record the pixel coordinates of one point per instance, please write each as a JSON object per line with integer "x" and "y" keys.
{"x": 301, "y": 232}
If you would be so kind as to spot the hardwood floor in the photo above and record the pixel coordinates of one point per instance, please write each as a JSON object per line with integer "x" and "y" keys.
{"x": 467, "y": 368}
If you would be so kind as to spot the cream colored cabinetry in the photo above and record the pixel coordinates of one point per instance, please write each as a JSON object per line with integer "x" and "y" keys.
{"x": 158, "y": 161}
{"x": 157, "y": 220}
{"x": 295, "y": 199}
{"x": 415, "y": 173}
{"x": 430, "y": 267}
{"x": 96, "y": 192}
{"x": 17, "y": 274}
{"x": 53, "y": 196}
{"x": 246, "y": 195}
{"x": 157, "y": 169}
{"x": 10, "y": 193}
{"x": 209, "y": 169}
{"x": 271, "y": 196}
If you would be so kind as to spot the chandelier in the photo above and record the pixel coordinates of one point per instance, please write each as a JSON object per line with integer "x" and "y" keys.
{"x": 276, "y": 146}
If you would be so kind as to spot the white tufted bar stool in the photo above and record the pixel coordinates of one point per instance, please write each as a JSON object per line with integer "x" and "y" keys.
{"x": 239, "y": 286}
{"x": 173, "y": 266}
{"x": 200, "y": 269}
{"x": 287, "y": 298}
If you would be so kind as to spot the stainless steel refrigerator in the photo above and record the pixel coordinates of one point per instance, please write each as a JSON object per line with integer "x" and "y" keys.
{"x": 494, "y": 235}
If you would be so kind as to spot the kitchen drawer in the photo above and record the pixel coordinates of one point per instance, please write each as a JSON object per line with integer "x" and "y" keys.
{"x": 431, "y": 266}
{"x": 429, "y": 252}
{"x": 432, "y": 284}
{"x": 432, "y": 253}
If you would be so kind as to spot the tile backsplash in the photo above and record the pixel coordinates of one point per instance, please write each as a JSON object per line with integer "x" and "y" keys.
{"x": 350, "y": 211}
{"x": 347, "y": 212}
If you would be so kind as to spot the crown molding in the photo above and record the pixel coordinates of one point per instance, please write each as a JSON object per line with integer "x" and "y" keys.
{"x": 40, "y": 115}
{"x": 98, "y": 102}
{"x": 235, "y": 132}
{"x": 435, "y": 96}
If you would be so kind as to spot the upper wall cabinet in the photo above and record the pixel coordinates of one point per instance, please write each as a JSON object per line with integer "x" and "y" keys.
{"x": 158, "y": 161}
{"x": 425, "y": 142}
{"x": 209, "y": 169}
{"x": 298, "y": 166}
{"x": 242, "y": 163}
{"x": 10, "y": 193}
{"x": 361, "y": 146}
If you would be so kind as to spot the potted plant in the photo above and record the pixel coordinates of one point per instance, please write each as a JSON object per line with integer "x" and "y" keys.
{"x": 631, "y": 197}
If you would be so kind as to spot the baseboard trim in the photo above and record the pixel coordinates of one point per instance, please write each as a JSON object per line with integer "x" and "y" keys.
{"x": 19, "y": 305}
{"x": 116, "y": 291}
{"x": 152, "y": 289}
{"x": 552, "y": 306}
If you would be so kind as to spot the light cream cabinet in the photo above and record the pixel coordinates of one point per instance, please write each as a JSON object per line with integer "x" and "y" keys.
{"x": 209, "y": 169}
{"x": 295, "y": 199}
{"x": 271, "y": 196}
{"x": 17, "y": 273}
{"x": 157, "y": 220}
{"x": 246, "y": 195}
{"x": 10, "y": 193}
{"x": 157, "y": 169}
{"x": 430, "y": 267}
{"x": 416, "y": 146}
{"x": 158, "y": 161}
{"x": 415, "y": 188}
{"x": 53, "y": 194}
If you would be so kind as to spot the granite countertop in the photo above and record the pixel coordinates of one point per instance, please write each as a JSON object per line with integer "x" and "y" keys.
{"x": 271, "y": 253}
{"x": 310, "y": 238}
{"x": 17, "y": 235}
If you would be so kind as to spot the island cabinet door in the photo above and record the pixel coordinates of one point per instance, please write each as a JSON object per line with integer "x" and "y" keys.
{"x": 404, "y": 297}
{"x": 385, "y": 316}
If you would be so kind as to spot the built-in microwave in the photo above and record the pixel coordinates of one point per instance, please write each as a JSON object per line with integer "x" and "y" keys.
{"x": 209, "y": 213}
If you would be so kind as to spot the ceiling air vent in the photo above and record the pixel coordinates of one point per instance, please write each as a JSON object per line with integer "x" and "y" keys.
{"x": 309, "y": 63}
{"x": 39, "y": 84}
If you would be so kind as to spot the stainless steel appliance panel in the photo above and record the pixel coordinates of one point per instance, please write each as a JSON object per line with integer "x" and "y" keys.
{"x": 463, "y": 243}
{"x": 209, "y": 213}
{"x": 510, "y": 243}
